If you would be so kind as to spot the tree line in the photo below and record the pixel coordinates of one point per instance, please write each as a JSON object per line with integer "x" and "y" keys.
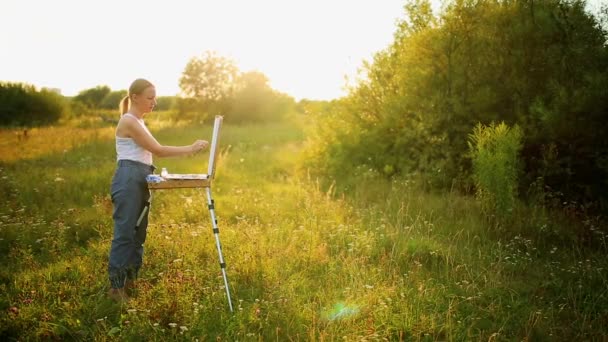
{"x": 210, "y": 84}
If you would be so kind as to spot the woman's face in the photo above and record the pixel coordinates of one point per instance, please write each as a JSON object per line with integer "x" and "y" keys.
{"x": 146, "y": 101}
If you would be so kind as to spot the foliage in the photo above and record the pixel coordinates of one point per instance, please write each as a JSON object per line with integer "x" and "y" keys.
{"x": 23, "y": 105}
{"x": 165, "y": 102}
{"x": 190, "y": 109}
{"x": 112, "y": 100}
{"x": 209, "y": 77}
{"x": 540, "y": 65}
{"x": 94, "y": 97}
{"x": 255, "y": 101}
{"x": 212, "y": 84}
{"x": 495, "y": 151}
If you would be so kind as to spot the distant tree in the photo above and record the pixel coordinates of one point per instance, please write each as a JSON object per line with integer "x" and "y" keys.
{"x": 93, "y": 97}
{"x": 209, "y": 78}
{"x": 112, "y": 99}
{"x": 164, "y": 102}
{"x": 254, "y": 100}
{"x": 23, "y": 105}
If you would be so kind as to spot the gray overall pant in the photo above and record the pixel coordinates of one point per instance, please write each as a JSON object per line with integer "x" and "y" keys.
{"x": 130, "y": 195}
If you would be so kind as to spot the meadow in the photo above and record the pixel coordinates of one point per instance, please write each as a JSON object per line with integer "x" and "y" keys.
{"x": 385, "y": 260}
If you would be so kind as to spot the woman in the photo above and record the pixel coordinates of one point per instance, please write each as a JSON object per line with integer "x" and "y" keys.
{"x": 135, "y": 146}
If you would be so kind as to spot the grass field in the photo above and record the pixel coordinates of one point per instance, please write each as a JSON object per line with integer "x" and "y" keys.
{"x": 382, "y": 262}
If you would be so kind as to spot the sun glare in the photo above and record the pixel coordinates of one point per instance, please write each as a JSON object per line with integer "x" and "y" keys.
{"x": 305, "y": 48}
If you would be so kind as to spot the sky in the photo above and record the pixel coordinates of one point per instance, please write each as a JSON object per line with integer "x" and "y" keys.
{"x": 307, "y": 48}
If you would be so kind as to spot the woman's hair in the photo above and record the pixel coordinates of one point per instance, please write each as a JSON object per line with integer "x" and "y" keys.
{"x": 137, "y": 87}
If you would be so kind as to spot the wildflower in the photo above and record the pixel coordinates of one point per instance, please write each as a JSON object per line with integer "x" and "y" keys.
{"x": 172, "y": 325}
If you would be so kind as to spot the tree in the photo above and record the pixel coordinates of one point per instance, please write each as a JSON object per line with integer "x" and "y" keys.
{"x": 112, "y": 99}
{"x": 209, "y": 78}
{"x": 253, "y": 98}
{"x": 93, "y": 97}
{"x": 540, "y": 65}
{"x": 23, "y": 105}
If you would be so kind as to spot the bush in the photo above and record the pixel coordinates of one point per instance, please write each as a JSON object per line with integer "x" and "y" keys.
{"x": 112, "y": 100}
{"x": 23, "y": 105}
{"x": 494, "y": 150}
{"x": 93, "y": 97}
{"x": 189, "y": 109}
{"x": 165, "y": 102}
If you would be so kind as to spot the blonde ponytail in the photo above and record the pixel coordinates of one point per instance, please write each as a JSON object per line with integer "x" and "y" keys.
{"x": 124, "y": 105}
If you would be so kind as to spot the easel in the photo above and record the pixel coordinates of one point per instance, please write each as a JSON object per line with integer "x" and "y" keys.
{"x": 200, "y": 180}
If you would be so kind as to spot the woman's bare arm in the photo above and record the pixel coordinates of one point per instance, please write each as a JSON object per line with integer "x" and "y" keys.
{"x": 129, "y": 127}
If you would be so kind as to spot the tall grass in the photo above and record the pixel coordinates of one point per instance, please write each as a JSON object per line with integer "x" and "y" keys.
{"x": 384, "y": 262}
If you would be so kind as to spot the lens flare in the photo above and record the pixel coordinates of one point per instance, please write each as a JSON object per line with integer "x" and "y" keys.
{"x": 341, "y": 311}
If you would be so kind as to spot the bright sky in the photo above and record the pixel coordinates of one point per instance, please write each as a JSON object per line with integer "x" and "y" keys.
{"x": 304, "y": 47}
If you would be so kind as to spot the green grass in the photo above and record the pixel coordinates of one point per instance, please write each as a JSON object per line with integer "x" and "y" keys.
{"x": 383, "y": 262}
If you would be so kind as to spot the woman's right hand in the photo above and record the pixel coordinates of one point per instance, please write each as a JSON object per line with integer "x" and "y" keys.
{"x": 199, "y": 145}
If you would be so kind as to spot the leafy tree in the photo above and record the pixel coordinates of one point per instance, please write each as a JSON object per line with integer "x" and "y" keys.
{"x": 209, "y": 78}
{"x": 23, "y": 105}
{"x": 93, "y": 97}
{"x": 255, "y": 101}
{"x": 164, "y": 102}
{"x": 541, "y": 65}
{"x": 112, "y": 99}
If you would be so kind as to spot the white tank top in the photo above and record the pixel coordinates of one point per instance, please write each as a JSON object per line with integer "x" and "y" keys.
{"x": 127, "y": 148}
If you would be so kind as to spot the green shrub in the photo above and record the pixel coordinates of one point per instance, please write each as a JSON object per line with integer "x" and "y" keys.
{"x": 112, "y": 100}
{"x": 164, "y": 102}
{"x": 93, "y": 97}
{"x": 494, "y": 150}
{"x": 23, "y": 105}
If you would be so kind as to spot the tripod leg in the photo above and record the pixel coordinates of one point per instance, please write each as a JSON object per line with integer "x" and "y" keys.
{"x": 216, "y": 233}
